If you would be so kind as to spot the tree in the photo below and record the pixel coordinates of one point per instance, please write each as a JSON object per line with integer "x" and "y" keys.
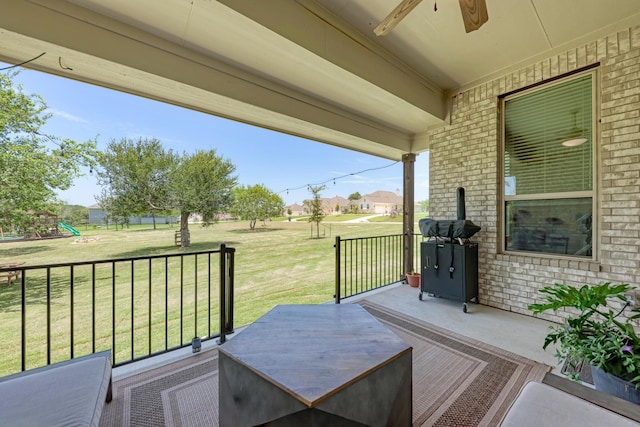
{"x": 33, "y": 165}
{"x": 353, "y": 207}
{"x": 256, "y": 202}
{"x": 135, "y": 177}
{"x": 424, "y": 205}
{"x": 141, "y": 177}
{"x": 201, "y": 184}
{"x": 74, "y": 214}
{"x": 315, "y": 207}
{"x": 117, "y": 211}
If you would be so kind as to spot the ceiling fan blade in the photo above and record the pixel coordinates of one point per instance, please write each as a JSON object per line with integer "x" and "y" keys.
{"x": 396, "y": 15}
{"x": 474, "y": 14}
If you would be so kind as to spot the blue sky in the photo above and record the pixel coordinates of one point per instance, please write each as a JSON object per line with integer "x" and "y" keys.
{"x": 280, "y": 162}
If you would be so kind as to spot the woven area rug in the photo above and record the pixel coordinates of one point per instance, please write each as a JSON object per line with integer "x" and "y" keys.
{"x": 457, "y": 381}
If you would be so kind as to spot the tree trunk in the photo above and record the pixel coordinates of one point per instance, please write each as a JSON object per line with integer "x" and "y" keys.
{"x": 153, "y": 215}
{"x": 185, "y": 239}
{"x": 252, "y": 224}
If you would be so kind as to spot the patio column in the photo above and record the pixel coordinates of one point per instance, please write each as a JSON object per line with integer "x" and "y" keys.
{"x": 408, "y": 162}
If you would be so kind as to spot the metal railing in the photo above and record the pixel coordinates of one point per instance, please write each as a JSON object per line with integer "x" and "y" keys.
{"x": 367, "y": 263}
{"x": 137, "y": 307}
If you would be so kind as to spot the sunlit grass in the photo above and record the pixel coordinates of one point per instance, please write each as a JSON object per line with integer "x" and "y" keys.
{"x": 277, "y": 263}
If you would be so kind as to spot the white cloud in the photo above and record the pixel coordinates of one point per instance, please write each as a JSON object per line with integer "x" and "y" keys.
{"x": 68, "y": 116}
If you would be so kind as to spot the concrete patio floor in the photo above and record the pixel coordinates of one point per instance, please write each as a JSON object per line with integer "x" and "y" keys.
{"x": 520, "y": 334}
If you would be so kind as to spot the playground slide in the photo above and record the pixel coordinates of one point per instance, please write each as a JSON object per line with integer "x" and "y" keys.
{"x": 70, "y": 228}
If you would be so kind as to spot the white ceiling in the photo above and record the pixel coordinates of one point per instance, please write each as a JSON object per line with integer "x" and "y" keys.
{"x": 312, "y": 68}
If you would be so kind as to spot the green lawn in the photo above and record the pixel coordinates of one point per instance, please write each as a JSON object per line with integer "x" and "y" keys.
{"x": 278, "y": 262}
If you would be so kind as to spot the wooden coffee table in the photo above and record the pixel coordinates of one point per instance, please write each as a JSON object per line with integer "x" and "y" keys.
{"x": 315, "y": 365}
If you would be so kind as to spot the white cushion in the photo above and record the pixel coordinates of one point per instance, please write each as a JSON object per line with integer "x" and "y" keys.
{"x": 543, "y": 405}
{"x": 72, "y": 394}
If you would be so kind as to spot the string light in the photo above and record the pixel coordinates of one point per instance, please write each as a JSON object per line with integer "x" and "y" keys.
{"x": 22, "y": 63}
{"x": 339, "y": 177}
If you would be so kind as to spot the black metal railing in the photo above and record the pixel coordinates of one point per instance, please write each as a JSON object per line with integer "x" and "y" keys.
{"x": 136, "y": 307}
{"x": 367, "y": 263}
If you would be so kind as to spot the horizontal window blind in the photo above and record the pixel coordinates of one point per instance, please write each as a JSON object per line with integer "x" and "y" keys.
{"x": 536, "y": 124}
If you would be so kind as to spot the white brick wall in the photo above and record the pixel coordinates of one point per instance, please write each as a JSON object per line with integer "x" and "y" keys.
{"x": 465, "y": 153}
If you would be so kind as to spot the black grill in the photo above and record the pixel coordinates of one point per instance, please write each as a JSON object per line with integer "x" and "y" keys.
{"x": 449, "y": 259}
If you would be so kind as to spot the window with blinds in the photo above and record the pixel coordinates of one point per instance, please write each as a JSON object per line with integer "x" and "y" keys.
{"x": 548, "y": 167}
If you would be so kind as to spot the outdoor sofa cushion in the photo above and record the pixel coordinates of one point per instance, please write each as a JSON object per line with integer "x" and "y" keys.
{"x": 70, "y": 393}
{"x": 540, "y": 404}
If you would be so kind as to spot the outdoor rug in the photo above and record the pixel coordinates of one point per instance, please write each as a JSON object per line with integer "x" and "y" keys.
{"x": 457, "y": 381}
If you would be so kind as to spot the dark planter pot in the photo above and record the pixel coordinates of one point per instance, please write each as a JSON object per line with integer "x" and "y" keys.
{"x": 616, "y": 386}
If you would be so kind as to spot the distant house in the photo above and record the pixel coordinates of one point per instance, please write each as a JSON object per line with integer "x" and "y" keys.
{"x": 296, "y": 210}
{"x": 98, "y": 216}
{"x": 330, "y": 206}
{"x": 380, "y": 202}
{"x": 335, "y": 205}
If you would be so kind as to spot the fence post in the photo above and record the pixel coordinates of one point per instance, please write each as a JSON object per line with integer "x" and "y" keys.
{"x": 230, "y": 254}
{"x": 337, "y": 246}
{"x": 223, "y": 292}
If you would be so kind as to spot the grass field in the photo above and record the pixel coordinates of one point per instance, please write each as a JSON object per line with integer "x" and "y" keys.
{"x": 279, "y": 262}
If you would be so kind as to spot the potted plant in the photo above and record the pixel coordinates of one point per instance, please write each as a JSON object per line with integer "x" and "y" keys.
{"x": 597, "y": 335}
{"x": 413, "y": 279}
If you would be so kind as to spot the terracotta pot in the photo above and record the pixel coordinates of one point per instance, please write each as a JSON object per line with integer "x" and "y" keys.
{"x": 413, "y": 279}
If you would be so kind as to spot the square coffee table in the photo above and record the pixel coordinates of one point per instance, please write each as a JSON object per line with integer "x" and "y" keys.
{"x": 315, "y": 365}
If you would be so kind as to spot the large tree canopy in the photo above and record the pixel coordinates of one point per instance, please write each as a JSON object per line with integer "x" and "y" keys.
{"x": 134, "y": 176}
{"x": 34, "y": 165}
{"x": 139, "y": 177}
{"x": 256, "y": 202}
{"x": 202, "y": 184}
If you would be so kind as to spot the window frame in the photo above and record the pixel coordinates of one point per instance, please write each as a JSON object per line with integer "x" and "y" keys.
{"x": 503, "y": 198}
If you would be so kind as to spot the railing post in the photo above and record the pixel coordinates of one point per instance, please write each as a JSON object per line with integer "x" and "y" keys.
{"x": 223, "y": 293}
{"x": 337, "y": 246}
{"x": 230, "y": 254}
{"x": 23, "y": 321}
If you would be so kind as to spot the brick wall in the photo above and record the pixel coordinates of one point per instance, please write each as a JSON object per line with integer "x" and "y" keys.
{"x": 466, "y": 153}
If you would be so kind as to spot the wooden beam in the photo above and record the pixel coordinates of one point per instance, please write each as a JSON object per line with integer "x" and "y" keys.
{"x": 143, "y": 64}
{"x": 315, "y": 29}
{"x": 408, "y": 197}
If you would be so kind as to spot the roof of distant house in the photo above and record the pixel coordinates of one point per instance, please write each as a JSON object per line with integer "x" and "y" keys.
{"x": 383, "y": 197}
{"x": 294, "y": 207}
{"x": 337, "y": 200}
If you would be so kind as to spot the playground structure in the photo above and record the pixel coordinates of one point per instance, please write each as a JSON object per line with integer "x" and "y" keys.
{"x": 42, "y": 225}
{"x": 69, "y": 228}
